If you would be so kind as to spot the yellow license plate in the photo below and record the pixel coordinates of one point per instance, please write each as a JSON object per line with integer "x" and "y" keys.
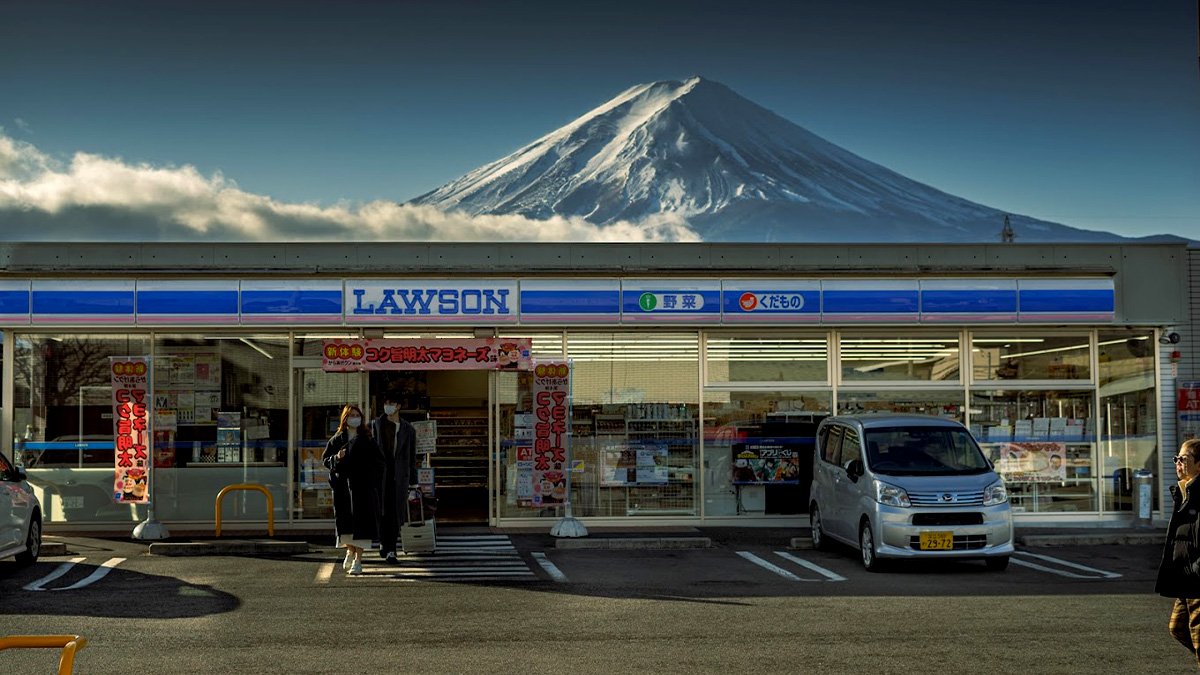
{"x": 937, "y": 541}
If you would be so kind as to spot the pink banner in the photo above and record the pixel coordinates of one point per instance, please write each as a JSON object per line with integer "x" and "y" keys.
{"x": 131, "y": 428}
{"x": 431, "y": 354}
{"x": 551, "y": 419}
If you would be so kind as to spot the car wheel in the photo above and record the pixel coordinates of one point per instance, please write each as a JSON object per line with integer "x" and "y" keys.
{"x": 996, "y": 564}
{"x": 33, "y": 543}
{"x": 818, "y": 535}
{"x": 866, "y": 543}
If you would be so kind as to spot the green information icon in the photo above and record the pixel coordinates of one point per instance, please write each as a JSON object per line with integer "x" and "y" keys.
{"x": 648, "y": 302}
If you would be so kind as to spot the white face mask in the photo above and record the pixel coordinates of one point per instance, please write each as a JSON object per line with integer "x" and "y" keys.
{"x": 389, "y": 409}
{"x": 354, "y": 422}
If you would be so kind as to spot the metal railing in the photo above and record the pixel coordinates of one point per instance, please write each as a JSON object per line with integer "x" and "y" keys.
{"x": 246, "y": 486}
{"x": 69, "y": 644}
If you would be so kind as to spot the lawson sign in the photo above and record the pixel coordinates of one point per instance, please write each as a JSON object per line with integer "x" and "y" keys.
{"x": 368, "y": 301}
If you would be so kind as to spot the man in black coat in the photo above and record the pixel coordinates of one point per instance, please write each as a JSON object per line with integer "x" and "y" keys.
{"x": 397, "y": 439}
{"x": 1179, "y": 572}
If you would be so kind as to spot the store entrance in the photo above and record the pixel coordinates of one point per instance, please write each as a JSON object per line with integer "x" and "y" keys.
{"x": 458, "y": 401}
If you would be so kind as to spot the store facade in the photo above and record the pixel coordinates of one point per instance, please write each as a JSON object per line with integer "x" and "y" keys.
{"x": 698, "y": 371}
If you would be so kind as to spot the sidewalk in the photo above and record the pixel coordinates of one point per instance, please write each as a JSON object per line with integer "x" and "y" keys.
{"x": 599, "y": 538}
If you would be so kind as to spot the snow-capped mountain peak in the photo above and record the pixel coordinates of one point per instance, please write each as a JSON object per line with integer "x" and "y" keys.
{"x": 735, "y": 170}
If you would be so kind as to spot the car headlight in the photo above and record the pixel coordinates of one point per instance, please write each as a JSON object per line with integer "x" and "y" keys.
{"x": 890, "y": 495}
{"x": 995, "y": 494}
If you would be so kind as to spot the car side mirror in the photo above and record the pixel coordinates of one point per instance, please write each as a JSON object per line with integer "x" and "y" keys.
{"x": 854, "y": 469}
{"x": 18, "y": 474}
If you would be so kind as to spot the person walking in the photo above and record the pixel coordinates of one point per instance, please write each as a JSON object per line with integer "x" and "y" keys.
{"x": 397, "y": 438}
{"x": 355, "y": 464}
{"x": 1179, "y": 571}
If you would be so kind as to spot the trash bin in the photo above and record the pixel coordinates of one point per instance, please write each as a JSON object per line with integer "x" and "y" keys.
{"x": 1143, "y": 497}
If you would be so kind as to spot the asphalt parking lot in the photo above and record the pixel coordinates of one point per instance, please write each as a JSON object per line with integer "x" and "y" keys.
{"x": 256, "y": 614}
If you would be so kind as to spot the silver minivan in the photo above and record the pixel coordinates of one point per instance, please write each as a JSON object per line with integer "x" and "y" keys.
{"x": 907, "y": 486}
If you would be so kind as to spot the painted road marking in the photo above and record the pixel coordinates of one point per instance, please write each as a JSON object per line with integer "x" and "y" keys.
{"x": 100, "y": 572}
{"x": 324, "y": 572}
{"x": 477, "y": 557}
{"x": 550, "y": 567}
{"x": 62, "y": 569}
{"x": 769, "y": 565}
{"x": 1102, "y": 574}
{"x": 829, "y": 576}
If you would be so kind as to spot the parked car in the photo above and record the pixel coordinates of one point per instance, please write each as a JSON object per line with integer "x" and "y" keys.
{"x": 20, "y": 515}
{"x": 907, "y": 486}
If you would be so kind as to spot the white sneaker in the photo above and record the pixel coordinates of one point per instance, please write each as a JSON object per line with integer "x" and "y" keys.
{"x": 348, "y": 561}
{"x": 356, "y": 568}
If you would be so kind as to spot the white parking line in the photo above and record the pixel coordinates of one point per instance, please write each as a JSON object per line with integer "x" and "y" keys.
{"x": 829, "y": 576}
{"x": 101, "y": 571}
{"x": 62, "y": 569}
{"x": 770, "y": 566}
{"x": 550, "y": 567}
{"x": 1064, "y": 563}
{"x": 324, "y": 572}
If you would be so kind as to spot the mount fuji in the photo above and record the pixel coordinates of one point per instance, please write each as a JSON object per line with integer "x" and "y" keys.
{"x": 733, "y": 169}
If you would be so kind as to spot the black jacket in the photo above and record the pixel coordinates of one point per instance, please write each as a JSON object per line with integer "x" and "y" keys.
{"x": 398, "y": 445}
{"x": 355, "y": 483}
{"x": 1179, "y": 572}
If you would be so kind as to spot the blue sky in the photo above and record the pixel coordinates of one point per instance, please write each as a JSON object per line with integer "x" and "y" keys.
{"x": 1086, "y": 114}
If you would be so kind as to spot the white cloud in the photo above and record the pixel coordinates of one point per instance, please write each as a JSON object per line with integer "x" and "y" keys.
{"x": 96, "y": 198}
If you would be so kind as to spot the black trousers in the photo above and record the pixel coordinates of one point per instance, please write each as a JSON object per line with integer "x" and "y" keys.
{"x": 389, "y": 521}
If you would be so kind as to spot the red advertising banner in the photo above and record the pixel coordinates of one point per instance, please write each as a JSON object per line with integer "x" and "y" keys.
{"x": 430, "y": 354}
{"x": 131, "y": 428}
{"x": 551, "y": 420}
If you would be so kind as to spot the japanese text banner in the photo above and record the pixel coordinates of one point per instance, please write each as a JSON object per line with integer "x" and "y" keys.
{"x": 131, "y": 428}
{"x": 551, "y": 421}
{"x": 427, "y": 354}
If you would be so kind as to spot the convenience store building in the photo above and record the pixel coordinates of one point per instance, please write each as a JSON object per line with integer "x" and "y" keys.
{"x": 699, "y": 371}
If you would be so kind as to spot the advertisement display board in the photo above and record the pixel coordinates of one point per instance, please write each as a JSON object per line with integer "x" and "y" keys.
{"x": 765, "y": 463}
{"x": 345, "y": 355}
{"x": 131, "y": 428}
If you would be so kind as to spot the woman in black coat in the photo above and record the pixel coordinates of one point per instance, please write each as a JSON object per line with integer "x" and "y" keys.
{"x": 1179, "y": 572}
{"x": 355, "y": 464}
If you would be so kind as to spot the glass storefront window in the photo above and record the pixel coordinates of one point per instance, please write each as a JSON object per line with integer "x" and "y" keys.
{"x": 635, "y": 394}
{"x": 1031, "y": 357}
{"x": 758, "y": 451}
{"x": 62, "y": 420}
{"x": 221, "y": 416}
{"x": 1043, "y": 444}
{"x": 940, "y": 403}
{"x": 736, "y": 358}
{"x": 1128, "y": 415}
{"x": 887, "y": 358}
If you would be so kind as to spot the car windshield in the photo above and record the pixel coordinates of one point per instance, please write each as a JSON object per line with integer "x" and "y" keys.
{"x": 924, "y": 451}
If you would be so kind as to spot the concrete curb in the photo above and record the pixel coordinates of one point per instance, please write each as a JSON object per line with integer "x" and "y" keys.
{"x": 52, "y": 548}
{"x": 626, "y": 543}
{"x": 802, "y": 543}
{"x": 1098, "y": 539}
{"x": 233, "y": 547}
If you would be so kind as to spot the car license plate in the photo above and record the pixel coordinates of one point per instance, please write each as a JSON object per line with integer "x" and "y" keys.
{"x": 937, "y": 541}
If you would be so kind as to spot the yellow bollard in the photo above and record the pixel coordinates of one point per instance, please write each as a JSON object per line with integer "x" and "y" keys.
{"x": 246, "y": 486}
{"x": 69, "y": 644}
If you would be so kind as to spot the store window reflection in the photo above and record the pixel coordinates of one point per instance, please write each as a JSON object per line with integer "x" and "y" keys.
{"x": 736, "y": 358}
{"x": 758, "y": 451}
{"x": 635, "y": 403}
{"x": 1043, "y": 445}
{"x": 1128, "y": 413}
{"x": 1031, "y": 357}
{"x": 890, "y": 358}
{"x": 62, "y": 421}
{"x": 221, "y": 415}
{"x": 939, "y": 403}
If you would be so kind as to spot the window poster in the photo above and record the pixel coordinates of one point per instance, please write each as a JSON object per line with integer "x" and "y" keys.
{"x": 188, "y": 383}
{"x": 633, "y": 464}
{"x": 206, "y": 404}
{"x": 765, "y": 464}
{"x": 1033, "y": 462}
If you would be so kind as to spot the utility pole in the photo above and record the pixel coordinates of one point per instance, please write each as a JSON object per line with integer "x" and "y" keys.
{"x": 1006, "y": 234}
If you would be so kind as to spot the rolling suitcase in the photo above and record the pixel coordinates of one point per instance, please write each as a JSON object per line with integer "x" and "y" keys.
{"x": 417, "y": 533}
